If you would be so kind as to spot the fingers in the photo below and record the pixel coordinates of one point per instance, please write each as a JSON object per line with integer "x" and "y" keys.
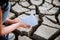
{"x": 26, "y": 26}
{"x": 16, "y": 20}
{"x": 22, "y": 24}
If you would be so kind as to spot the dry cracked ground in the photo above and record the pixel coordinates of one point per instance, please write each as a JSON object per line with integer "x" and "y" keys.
{"x": 47, "y": 13}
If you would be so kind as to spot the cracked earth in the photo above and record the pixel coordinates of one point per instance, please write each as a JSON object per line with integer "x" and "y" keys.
{"x": 47, "y": 13}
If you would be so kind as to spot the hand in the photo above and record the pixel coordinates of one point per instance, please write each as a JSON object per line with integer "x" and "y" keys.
{"x": 9, "y": 21}
{"x": 22, "y": 24}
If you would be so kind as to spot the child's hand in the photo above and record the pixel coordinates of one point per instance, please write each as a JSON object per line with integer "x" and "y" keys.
{"x": 9, "y": 21}
{"x": 14, "y": 21}
{"x": 21, "y": 23}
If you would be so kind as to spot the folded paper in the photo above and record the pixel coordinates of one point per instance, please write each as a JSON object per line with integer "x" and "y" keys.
{"x": 31, "y": 20}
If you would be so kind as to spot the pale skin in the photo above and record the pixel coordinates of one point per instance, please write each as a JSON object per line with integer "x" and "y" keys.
{"x": 15, "y": 23}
